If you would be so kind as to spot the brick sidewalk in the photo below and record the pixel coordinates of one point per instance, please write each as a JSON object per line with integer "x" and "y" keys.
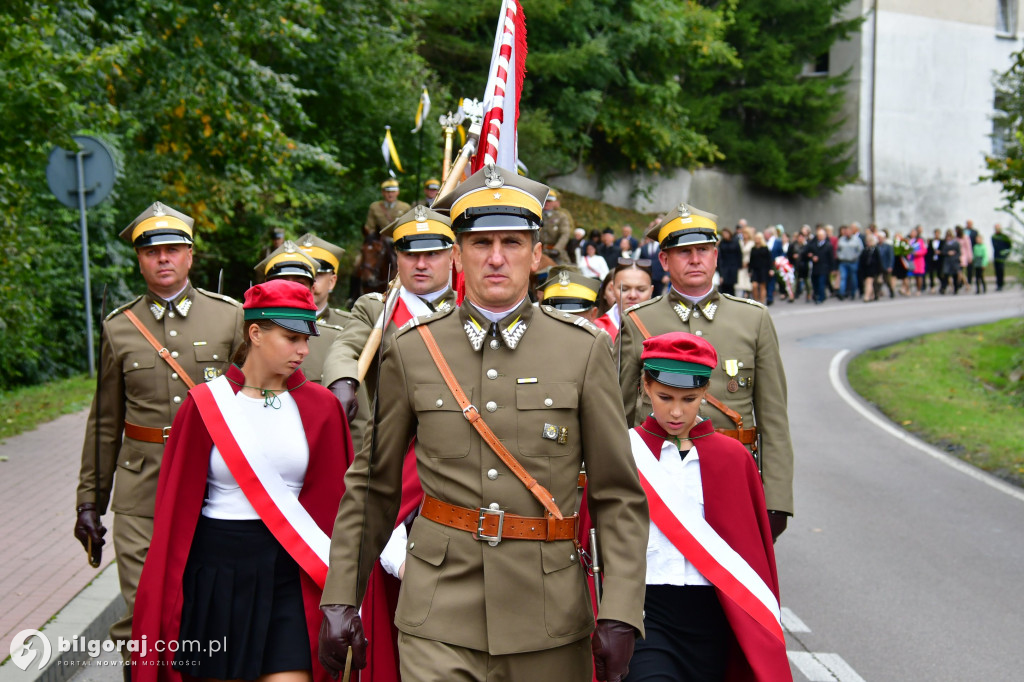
{"x": 42, "y": 566}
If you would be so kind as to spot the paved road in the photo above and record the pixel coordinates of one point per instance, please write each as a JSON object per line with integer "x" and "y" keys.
{"x": 898, "y": 564}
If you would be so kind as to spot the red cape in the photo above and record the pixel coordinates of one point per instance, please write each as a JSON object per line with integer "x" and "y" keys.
{"x": 606, "y": 323}
{"x": 179, "y": 500}
{"x": 734, "y": 506}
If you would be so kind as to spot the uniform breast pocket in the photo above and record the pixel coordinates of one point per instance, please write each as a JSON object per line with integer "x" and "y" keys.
{"x": 548, "y": 419}
{"x": 211, "y": 359}
{"x": 443, "y": 430}
{"x": 138, "y": 371}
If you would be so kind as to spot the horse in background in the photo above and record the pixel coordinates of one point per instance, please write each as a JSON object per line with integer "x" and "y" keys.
{"x": 376, "y": 262}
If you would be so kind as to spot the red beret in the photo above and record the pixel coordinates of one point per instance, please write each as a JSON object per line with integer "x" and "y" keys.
{"x": 679, "y": 359}
{"x": 286, "y": 303}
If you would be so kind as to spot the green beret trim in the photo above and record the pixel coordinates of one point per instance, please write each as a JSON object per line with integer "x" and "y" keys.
{"x": 282, "y": 313}
{"x": 677, "y": 367}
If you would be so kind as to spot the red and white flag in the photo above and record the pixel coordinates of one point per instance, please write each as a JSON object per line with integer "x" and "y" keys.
{"x": 498, "y": 138}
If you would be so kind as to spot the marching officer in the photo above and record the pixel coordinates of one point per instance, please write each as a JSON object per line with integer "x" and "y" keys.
{"x": 493, "y": 585}
{"x": 430, "y": 190}
{"x": 749, "y": 403}
{"x": 384, "y": 211}
{"x": 556, "y": 229}
{"x": 567, "y": 290}
{"x": 154, "y": 349}
{"x": 423, "y": 240}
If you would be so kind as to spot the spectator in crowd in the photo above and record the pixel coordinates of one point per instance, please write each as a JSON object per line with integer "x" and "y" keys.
{"x": 918, "y": 253}
{"x": 1001, "y": 246}
{"x": 933, "y": 259}
{"x": 591, "y": 264}
{"x": 966, "y": 253}
{"x": 575, "y": 245}
{"x": 967, "y": 246}
{"x": 659, "y": 278}
{"x": 888, "y": 259}
{"x": 609, "y": 248}
{"x": 833, "y": 276}
{"x": 730, "y": 259}
{"x": 870, "y": 266}
{"x": 627, "y": 250}
{"x": 900, "y": 267}
{"x": 760, "y": 269}
{"x": 776, "y": 249}
{"x": 627, "y": 233}
{"x": 630, "y": 284}
{"x": 848, "y": 252}
{"x": 745, "y": 233}
{"x": 950, "y": 269}
{"x": 980, "y": 260}
{"x": 795, "y": 254}
{"x": 819, "y": 256}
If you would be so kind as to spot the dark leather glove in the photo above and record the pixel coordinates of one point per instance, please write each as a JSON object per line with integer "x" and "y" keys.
{"x": 777, "y": 521}
{"x": 345, "y": 391}
{"x": 612, "y": 644}
{"x": 89, "y": 527}
{"x": 341, "y": 628}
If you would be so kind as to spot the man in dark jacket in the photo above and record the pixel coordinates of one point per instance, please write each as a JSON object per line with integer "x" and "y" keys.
{"x": 818, "y": 253}
{"x": 1001, "y": 246}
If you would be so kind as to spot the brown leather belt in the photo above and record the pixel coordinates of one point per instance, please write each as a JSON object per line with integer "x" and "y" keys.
{"x": 494, "y": 525}
{"x": 147, "y": 434}
{"x": 745, "y": 436}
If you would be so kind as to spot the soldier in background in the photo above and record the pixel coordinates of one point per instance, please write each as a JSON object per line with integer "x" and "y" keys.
{"x": 567, "y": 290}
{"x": 140, "y": 390}
{"x": 276, "y": 240}
{"x": 493, "y": 586}
{"x": 556, "y": 230}
{"x": 423, "y": 240}
{"x": 750, "y": 401}
{"x": 385, "y": 210}
{"x": 430, "y": 190}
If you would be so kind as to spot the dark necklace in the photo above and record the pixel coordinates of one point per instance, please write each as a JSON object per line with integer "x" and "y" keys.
{"x": 270, "y": 396}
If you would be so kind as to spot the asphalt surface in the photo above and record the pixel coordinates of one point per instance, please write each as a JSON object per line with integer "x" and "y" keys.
{"x": 905, "y": 567}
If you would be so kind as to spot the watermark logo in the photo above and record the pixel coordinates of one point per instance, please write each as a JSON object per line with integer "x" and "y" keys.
{"x": 22, "y": 652}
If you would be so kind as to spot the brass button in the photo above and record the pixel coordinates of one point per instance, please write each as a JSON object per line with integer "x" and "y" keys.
{"x": 135, "y": 364}
{"x": 492, "y": 374}
{"x": 173, "y": 332}
{"x": 174, "y": 353}
{"x": 494, "y": 344}
{"x": 739, "y": 364}
{"x": 491, "y": 406}
{"x": 177, "y": 399}
{"x": 492, "y": 474}
{"x": 548, "y": 402}
{"x": 699, "y": 333}
{"x": 174, "y": 375}
{"x": 439, "y": 403}
{"x": 494, "y": 505}
{"x": 215, "y": 357}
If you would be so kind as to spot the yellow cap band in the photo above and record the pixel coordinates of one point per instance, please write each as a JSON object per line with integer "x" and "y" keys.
{"x": 691, "y": 222}
{"x": 286, "y": 257}
{"x": 322, "y": 254}
{"x": 161, "y": 222}
{"x": 571, "y": 290}
{"x": 502, "y": 196}
{"x": 414, "y": 228}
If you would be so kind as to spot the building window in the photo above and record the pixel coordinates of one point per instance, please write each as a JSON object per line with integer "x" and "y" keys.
{"x": 1006, "y": 17}
{"x": 818, "y": 67}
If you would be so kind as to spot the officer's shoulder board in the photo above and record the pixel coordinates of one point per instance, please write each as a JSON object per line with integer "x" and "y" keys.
{"x": 375, "y": 296}
{"x": 569, "y": 318}
{"x": 745, "y": 300}
{"x": 439, "y": 314}
{"x": 120, "y": 309}
{"x": 218, "y": 297}
{"x": 644, "y": 304}
{"x": 336, "y": 327}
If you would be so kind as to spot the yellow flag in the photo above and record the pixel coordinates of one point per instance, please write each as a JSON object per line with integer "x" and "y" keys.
{"x": 389, "y": 151}
{"x": 422, "y": 111}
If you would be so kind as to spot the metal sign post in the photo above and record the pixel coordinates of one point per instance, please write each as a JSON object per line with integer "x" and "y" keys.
{"x": 82, "y": 179}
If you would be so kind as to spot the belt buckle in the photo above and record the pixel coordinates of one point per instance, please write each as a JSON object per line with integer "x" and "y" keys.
{"x": 166, "y": 431}
{"x": 491, "y": 540}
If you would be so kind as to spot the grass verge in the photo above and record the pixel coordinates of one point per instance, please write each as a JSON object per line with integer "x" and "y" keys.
{"x": 23, "y": 409}
{"x": 960, "y": 390}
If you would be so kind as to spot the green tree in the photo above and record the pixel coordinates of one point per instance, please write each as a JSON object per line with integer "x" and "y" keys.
{"x": 771, "y": 121}
{"x": 1006, "y": 168}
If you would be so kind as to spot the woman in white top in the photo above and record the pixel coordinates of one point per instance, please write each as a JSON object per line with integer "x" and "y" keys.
{"x": 591, "y": 264}
{"x": 234, "y": 560}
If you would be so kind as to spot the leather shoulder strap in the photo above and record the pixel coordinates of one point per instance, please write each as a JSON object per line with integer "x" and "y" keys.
{"x": 160, "y": 350}
{"x": 470, "y": 412}
{"x": 639, "y": 325}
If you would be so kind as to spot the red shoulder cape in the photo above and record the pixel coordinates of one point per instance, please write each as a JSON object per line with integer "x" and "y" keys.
{"x": 605, "y": 322}
{"x": 179, "y": 499}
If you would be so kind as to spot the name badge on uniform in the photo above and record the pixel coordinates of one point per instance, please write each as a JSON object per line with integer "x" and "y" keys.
{"x": 732, "y": 368}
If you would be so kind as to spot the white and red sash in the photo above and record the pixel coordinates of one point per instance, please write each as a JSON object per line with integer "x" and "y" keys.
{"x": 680, "y": 519}
{"x": 408, "y": 306}
{"x": 261, "y": 483}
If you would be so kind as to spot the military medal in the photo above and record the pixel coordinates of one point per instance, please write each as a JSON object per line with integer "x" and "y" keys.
{"x": 550, "y": 432}
{"x": 732, "y": 368}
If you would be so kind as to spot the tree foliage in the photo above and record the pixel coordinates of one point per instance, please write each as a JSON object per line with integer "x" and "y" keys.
{"x": 1007, "y": 169}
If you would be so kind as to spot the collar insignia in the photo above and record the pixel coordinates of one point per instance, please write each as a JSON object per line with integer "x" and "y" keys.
{"x": 682, "y": 311}
{"x": 709, "y": 310}
{"x": 157, "y": 309}
{"x": 442, "y": 306}
{"x": 493, "y": 177}
{"x": 513, "y": 333}
{"x": 475, "y": 333}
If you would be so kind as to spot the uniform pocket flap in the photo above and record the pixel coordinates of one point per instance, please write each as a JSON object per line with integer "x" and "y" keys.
{"x": 558, "y": 556}
{"x": 436, "y": 398}
{"x": 131, "y": 460}
{"x": 427, "y": 544}
{"x": 214, "y": 352}
{"x": 547, "y": 396}
{"x": 141, "y": 360}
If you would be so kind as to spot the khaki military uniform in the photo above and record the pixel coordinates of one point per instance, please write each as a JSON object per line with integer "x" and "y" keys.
{"x": 741, "y": 330}
{"x": 381, "y": 214}
{"x": 330, "y": 324}
{"x": 202, "y": 331}
{"x": 343, "y": 358}
{"x": 556, "y": 232}
{"x": 537, "y": 368}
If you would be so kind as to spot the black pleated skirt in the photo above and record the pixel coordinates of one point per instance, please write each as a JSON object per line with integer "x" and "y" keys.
{"x": 242, "y": 614}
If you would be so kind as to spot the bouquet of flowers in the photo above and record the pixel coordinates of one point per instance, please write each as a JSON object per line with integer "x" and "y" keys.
{"x": 901, "y": 247}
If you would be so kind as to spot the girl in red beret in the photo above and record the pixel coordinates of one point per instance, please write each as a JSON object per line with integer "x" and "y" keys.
{"x": 250, "y": 482}
{"x": 712, "y": 605}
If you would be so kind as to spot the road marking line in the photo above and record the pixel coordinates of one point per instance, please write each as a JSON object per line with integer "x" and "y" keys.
{"x": 881, "y": 422}
{"x": 791, "y": 622}
{"x": 819, "y": 667}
